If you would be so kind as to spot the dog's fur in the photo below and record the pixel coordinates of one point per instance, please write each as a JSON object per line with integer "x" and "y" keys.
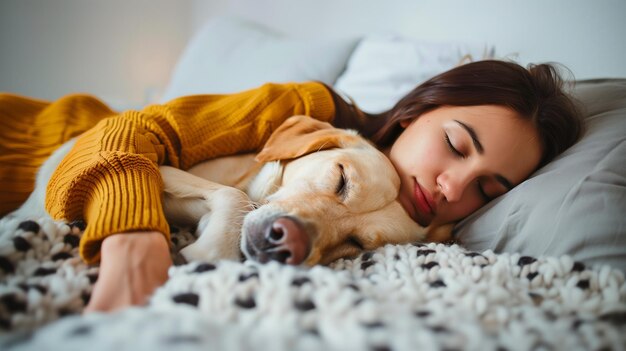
{"x": 312, "y": 195}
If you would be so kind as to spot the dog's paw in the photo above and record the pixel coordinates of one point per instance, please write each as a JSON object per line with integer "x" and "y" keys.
{"x": 218, "y": 239}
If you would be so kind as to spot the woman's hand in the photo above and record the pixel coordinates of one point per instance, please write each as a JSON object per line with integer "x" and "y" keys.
{"x": 132, "y": 266}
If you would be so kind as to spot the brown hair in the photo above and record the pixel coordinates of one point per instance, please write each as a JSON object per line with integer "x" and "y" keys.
{"x": 535, "y": 93}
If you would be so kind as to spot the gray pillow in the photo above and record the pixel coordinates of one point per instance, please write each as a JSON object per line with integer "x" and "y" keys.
{"x": 575, "y": 205}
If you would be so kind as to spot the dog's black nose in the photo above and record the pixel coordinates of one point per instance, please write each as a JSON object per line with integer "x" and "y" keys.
{"x": 287, "y": 241}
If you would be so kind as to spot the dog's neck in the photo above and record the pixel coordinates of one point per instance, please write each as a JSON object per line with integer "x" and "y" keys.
{"x": 266, "y": 182}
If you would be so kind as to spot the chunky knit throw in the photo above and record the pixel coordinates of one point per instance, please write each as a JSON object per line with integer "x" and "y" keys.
{"x": 399, "y": 297}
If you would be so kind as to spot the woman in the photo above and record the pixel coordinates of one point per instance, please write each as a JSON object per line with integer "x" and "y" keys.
{"x": 457, "y": 141}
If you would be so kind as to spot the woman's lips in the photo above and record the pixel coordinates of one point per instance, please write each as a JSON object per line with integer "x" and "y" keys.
{"x": 423, "y": 201}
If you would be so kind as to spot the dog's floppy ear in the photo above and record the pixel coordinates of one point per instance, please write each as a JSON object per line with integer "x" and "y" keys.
{"x": 301, "y": 135}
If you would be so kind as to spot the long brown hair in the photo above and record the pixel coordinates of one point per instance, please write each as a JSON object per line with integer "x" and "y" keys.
{"x": 536, "y": 93}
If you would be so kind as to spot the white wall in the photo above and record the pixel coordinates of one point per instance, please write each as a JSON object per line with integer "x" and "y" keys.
{"x": 124, "y": 50}
{"x": 119, "y": 50}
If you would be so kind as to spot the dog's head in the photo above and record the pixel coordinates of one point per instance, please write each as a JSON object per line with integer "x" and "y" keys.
{"x": 333, "y": 195}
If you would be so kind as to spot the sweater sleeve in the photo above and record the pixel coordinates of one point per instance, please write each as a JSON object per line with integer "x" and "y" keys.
{"x": 110, "y": 178}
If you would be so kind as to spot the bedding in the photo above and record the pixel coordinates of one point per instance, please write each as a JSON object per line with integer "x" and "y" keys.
{"x": 524, "y": 274}
{"x": 229, "y": 55}
{"x": 398, "y": 297}
{"x": 384, "y": 68}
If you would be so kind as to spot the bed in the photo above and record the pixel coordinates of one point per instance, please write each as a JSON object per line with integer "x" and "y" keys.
{"x": 539, "y": 268}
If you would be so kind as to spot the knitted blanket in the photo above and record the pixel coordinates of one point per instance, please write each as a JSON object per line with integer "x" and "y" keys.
{"x": 399, "y": 297}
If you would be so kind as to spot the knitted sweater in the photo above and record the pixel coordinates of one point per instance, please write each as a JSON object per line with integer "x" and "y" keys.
{"x": 110, "y": 178}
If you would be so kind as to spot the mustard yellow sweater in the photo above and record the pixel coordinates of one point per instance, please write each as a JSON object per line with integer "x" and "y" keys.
{"x": 111, "y": 178}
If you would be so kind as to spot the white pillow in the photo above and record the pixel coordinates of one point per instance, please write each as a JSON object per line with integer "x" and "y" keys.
{"x": 383, "y": 69}
{"x": 229, "y": 55}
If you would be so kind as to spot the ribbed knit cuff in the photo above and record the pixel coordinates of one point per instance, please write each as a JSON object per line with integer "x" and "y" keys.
{"x": 122, "y": 203}
{"x": 113, "y": 192}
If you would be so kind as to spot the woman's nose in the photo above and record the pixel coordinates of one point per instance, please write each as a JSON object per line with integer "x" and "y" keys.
{"x": 453, "y": 184}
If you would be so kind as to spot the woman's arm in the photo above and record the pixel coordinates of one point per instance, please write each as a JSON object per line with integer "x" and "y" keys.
{"x": 132, "y": 266}
{"x": 110, "y": 178}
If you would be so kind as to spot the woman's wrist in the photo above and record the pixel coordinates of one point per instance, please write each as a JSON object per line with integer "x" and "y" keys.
{"x": 132, "y": 266}
{"x": 136, "y": 249}
{"x": 134, "y": 241}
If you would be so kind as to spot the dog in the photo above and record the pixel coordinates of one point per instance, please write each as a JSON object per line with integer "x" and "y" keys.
{"x": 312, "y": 195}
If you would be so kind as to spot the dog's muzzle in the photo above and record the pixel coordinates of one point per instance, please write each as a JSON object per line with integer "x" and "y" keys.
{"x": 279, "y": 238}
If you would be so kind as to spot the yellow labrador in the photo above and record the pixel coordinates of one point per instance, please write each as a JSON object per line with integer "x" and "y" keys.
{"x": 312, "y": 195}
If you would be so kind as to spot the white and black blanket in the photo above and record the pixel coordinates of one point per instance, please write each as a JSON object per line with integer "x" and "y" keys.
{"x": 402, "y": 297}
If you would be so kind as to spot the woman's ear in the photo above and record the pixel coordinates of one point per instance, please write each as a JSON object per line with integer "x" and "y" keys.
{"x": 301, "y": 135}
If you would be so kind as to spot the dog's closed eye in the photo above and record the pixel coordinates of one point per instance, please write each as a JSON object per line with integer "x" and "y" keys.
{"x": 353, "y": 241}
{"x": 342, "y": 186}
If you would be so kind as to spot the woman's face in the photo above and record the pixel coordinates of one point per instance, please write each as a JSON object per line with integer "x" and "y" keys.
{"x": 453, "y": 160}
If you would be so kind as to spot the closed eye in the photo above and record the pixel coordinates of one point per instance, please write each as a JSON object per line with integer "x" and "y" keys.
{"x": 342, "y": 186}
{"x": 454, "y": 150}
{"x": 352, "y": 240}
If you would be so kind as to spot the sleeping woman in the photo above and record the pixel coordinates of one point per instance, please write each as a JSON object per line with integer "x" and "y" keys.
{"x": 457, "y": 141}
